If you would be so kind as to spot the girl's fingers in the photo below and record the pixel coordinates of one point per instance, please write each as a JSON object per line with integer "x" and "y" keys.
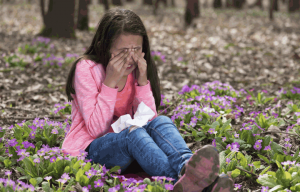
{"x": 118, "y": 56}
{"x": 123, "y": 59}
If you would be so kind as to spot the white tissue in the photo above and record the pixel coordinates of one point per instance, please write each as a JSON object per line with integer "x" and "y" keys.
{"x": 142, "y": 115}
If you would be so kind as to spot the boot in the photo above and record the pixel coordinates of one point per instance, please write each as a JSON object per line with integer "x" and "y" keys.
{"x": 200, "y": 171}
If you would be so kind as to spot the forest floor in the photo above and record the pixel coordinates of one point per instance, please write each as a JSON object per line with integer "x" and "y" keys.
{"x": 241, "y": 48}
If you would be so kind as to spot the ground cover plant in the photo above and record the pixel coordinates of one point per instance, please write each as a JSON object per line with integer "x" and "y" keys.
{"x": 241, "y": 96}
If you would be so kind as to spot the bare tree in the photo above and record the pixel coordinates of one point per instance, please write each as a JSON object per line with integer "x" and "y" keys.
{"x": 147, "y": 2}
{"x": 83, "y": 15}
{"x": 271, "y": 10}
{"x": 217, "y": 4}
{"x": 293, "y": 5}
{"x": 257, "y": 3}
{"x": 192, "y": 11}
{"x": 117, "y": 2}
{"x": 235, "y": 3}
{"x": 156, "y": 5}
{"x": 59, "y": 19}
{"x": 105, "y": 3}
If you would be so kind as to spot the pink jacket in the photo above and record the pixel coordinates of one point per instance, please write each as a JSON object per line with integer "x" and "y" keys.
{"x": 95, "y": 106}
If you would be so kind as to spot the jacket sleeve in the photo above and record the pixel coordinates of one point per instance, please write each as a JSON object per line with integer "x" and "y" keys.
{"x": 96, "y": 107}
{"x": 144, "y": 93}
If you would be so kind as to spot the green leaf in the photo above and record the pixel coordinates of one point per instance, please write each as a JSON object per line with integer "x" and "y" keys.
{"x": 243, "y": 162}
{"x": 29, "y": 166}
{"x": 235, "y": 173}
{"x": 286, "y": 178}
{"x": 7, "y": 163}
{"x": 296, "y": 187}
{"x": 114, "y": 169}
{"x": 79, "y": 173}
{"x": 267, "y": 180}
{"x": 83, "y": 180}
{"x": 276, "y": 148}
{"x": 276, "y": 188}
{"x": 265, "y": 170}
{"x": 46, "y": 186}
{"x": 87, "y": 167}
{"x": 232, "y": 165}
{"x": 281, "y": 123}
{"x": 264, "y": 158}
{"x": 226, "y": 124}
{"x": 33, "y": 181}
{"x": 215, "y": 124}
{"x": 240, "y": 155}
{"x": 256, "y": 164}
{"x": 222, "y": 160}
{"x": 259, "y": 98}
{"x": 296, "y": 154}
{"x": 67, "y": 169}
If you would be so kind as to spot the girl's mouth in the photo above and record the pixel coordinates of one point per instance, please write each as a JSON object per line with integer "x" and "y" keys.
{"x": 129, "y": 67}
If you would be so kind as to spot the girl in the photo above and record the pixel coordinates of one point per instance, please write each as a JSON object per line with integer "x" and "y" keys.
{"x": 115, "y": 74}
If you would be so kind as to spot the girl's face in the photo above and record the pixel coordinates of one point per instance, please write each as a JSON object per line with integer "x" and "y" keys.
{"x": 129, "y": 42}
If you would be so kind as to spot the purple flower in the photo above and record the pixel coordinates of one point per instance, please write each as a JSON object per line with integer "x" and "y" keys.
{"x": 212, "y": 131}
{"x": 267, "y": 148}
{"x": 98, "y": 183}
{"x": 65, "y": 177}
{"x": 264, "y": 189}
{"x": 180, "y": 58}
{"x": 52, "y": 159}
{"x": 264, "y": 91}
{"x": 214, "y": 143}
{"x": 228, "y": 147}
{"x": 257, "y": 146}
{"x": 12, "y": 142}
{"x": 227, "y": 161}
{"x": 235, "y": 146}
{"x": 8, "y": 173}
{"x": 169, "y": 186}
{"x": 48, "y": 178}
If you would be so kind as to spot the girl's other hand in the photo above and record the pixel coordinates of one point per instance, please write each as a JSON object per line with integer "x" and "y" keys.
{"x": 116, "y": 67}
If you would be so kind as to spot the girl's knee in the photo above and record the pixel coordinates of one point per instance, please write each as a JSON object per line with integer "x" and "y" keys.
{"x": 162, "y": 118}
{"x": 133, "y": 127}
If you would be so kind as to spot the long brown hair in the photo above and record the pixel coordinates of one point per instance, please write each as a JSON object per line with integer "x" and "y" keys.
{"x": 115, "y": 22}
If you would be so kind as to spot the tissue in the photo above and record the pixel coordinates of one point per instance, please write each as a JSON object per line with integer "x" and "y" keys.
{"x": 142, "y": 115}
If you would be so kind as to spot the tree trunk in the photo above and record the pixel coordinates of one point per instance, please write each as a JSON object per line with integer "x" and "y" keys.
{"x": 155, "y": 7}
{"x": 117, "y": 2}
{"x": 173, "y": 3}
{"x": 257, "y": 3}
{"x": 59, "y": 19}
{"x": 238, "y": 4}
{"x": 229, "y": 3}
{"x": 106, "y": 5}
{"x": 83, "y": 15}
{"x": 293, "y": 5}
{"x": 192, "y": 11}
{"x": 271, "y": 10}
{"x": 147, "y": 2}
{"x": 217, "y": 4}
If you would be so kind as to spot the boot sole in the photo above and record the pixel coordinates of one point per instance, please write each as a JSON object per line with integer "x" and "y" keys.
{"x": 224, "y": 184}
{"x": 201, "y": 170}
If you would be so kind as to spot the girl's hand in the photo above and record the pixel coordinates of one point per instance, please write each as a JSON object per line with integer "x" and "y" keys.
{"x": 142, "y": 66}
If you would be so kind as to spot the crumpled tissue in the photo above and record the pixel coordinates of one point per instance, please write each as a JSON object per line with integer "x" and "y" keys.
{"x": 142, "y": 115}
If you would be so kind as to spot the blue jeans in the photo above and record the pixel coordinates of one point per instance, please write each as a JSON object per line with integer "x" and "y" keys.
{"x": 157, "y": 147}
